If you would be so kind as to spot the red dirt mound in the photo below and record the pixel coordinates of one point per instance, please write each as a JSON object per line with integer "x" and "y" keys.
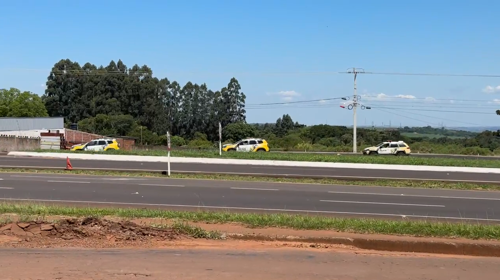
{"x": 93, "y": 228}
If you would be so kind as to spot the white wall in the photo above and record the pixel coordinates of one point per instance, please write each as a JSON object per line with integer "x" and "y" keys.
{"x": 29, "y": 133}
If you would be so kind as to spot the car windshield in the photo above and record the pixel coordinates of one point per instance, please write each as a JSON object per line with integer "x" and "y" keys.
{"x": 380, "y": 144}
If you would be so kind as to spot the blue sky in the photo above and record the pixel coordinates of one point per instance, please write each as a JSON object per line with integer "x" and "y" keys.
{"x": 280, "y": 51}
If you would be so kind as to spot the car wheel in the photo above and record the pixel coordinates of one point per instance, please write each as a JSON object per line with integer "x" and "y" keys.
{"x": 373, "y": 153}
{"x": 400, "y": 154}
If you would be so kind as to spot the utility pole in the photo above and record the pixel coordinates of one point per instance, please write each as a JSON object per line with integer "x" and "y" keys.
{"x": 354, "y": 105}
{"x": 355, "y": 99}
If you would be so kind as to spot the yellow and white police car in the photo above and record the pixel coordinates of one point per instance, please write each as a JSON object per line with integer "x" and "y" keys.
{"x": 396, "y": 148}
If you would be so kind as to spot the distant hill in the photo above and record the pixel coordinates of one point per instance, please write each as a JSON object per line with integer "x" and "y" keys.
{"x": 476, "y": 128}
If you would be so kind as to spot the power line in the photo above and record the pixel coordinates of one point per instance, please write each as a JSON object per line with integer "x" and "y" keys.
{"x": 420, "y": 99}
{"x": 435, "y": 74}
{"x": 270, "y": 73}
{"x": 295, "y": 102}
{"x": 465, "y": 105}
{"x": 434, "y": 117}
{"x": 426, "y": 122}
{"x": 303, "y": 104}
{"x": 427, "y": 110}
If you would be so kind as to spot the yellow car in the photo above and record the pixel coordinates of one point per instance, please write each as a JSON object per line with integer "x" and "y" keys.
{"x": 97, "y": 145}
{"x": 247, "y": 145}
{"x": 398, "y": 148}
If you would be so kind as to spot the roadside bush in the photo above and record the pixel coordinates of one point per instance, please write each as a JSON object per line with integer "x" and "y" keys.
{"x": 304, "y": 146}
{"x": 330, "y": 142}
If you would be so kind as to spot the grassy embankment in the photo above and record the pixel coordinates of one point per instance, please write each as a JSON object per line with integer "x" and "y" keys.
{"x": 302, "y": 222}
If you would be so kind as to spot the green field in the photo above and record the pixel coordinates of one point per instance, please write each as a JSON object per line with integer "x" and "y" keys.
{"x": 427, "y": 135}
{"x": 313, "y": 157}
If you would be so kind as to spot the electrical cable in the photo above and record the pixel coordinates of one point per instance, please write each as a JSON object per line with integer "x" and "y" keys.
{"x": 461, "y": 112}
{"x": 433, "y": 117}
{"x": 426, "y": 122}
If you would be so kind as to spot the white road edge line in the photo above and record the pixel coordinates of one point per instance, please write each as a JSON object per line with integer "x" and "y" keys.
{"x": 253, "y": 209}
{"x": 76, "y": 182}
{"x": 55, "y": 177}
{"x": 6, "y": 188}
{"x": 253, "y": 189}
{"x": 381, "y": 203}
{"x": 163, "y": 185}
{"x": 418, "y": 195}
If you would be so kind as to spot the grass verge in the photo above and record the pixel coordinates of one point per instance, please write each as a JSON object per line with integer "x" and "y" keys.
{"x": 303, "y": 222}
{"x": 311, "y": 157}
{"x": 324, "y": 181}
{"x": 194, "y": 231}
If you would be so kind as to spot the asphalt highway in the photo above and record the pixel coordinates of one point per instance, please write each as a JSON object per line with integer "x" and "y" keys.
{"x": 246, "y": 169}
{"x": 357, "y": 201}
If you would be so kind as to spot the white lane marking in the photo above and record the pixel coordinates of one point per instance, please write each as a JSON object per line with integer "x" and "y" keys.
{"x": 51, "y": 177}
{"x": 418, "y": 195}
{"x": 253, "y": 209}
{"x": 163, "y": 185}
{"x": 120, "y": 179}
{"x": 1, "y": 179}
{"x": 381, "y": 203}
{"x": 6, "y": 188}
{"x": 253, "y": 189}
{"x": 77, "y": 182}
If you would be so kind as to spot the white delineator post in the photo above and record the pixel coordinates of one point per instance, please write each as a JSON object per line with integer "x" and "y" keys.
{"x": 168, "y": 153}
{"x": 220, "y": 139}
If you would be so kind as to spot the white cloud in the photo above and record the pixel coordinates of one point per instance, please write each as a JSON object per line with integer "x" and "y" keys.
{"x": 287, "y": 95}
{"x": 322, "y": 101}
{"x": 496, "y": 101}
{"x": 405, "y": 96}
{"x": 430, "y": 99}
{"x": 383, "y": 96}
{"x": 491, "y": 89}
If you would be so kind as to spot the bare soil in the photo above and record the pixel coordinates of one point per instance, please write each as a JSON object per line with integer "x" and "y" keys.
{"x": 91, "y": 248}
{"x": 112, "y": 232}
{"x": 87, "y": 232}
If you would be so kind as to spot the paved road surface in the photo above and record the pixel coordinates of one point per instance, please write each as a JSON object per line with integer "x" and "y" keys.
{"x": 230, "y": 264}
{"x": 278, "y": 170}
{"x": 381, "y": 202}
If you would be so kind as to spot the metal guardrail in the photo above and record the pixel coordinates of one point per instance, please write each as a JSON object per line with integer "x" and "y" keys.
{"x": 257, "y": 175}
